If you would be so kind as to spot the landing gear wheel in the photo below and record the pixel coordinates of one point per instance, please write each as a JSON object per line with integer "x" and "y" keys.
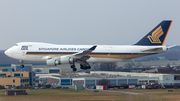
{"x": 81, "y": 66}
{"x": 85, "y": 66}
{"x": 22, "y": 66}
{"x": 88, "y": 67}
{"x": 74, "y": 69}
{"x": 72, "y": 66}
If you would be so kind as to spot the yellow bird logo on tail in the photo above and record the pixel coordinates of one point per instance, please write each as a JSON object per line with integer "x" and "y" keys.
{"x": 154, "y": 38}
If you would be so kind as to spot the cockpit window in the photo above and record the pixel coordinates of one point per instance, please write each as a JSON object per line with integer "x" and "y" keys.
{"x": 16, "y": 44}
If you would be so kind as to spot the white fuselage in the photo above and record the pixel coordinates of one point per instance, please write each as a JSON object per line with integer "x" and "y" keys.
{"x": 34, "y": 51}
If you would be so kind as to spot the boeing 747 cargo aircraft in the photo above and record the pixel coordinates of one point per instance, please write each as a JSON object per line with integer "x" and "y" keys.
{"x": 54, "y": 55}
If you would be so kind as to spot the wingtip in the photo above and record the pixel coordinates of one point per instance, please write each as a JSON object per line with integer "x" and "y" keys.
{"x": 93, "y": 47}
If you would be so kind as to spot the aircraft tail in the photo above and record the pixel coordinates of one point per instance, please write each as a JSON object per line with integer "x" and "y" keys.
{"x": 156, "y": 36}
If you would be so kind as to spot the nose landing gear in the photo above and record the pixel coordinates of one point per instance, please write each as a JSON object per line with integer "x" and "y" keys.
{"x": 22, "y": 64}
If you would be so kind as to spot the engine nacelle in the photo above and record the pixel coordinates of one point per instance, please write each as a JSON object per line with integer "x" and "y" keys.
{"x": 60, "y": 60}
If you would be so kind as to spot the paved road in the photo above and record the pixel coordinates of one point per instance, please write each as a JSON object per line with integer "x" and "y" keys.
{"x": 128, "y": 93}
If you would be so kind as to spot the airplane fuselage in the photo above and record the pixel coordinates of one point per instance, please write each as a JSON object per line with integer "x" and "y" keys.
{"x": 34, "y": 51}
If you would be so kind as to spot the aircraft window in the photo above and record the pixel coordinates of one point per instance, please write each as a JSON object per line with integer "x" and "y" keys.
{"x": 16, "y": 44}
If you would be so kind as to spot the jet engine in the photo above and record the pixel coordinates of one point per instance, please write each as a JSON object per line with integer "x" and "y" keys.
{"x": 59, "y": 61}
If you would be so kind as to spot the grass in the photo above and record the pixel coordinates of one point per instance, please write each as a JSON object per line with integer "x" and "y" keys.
{"x": 85, "y": 95}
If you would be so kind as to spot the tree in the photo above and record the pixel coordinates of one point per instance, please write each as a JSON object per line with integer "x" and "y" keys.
{"x": 129, "y": 64}
{"x": 138, "y": 64}
{"x": 103, "y": 82}
{"x": 110, "y": 66}
{"x": 168, "y": 65}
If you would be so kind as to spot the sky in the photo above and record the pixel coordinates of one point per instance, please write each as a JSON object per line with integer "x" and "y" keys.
{"x": 86, "y": 22}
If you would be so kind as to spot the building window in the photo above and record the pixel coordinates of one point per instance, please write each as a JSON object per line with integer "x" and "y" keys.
{"x": 13, "y": 81}
{"x": 16, "y": 75}
{"x": 4, "y": 70}
{"x": 38, "y": 70}
{"x": 21, "y": 91}
{"x": 22, "y": 75}
{"x": 54, "y": 71}
{"x": 11, "y": 92}
{"x": 2, "y": 75}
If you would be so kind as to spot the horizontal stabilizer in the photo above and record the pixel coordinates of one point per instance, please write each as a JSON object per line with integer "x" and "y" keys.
{"x": 155, "y": 50}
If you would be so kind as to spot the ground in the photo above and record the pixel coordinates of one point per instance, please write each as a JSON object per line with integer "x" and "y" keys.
{"x": 85, "y": 95}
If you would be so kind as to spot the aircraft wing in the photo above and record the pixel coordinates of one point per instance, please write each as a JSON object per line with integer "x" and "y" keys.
{"x": 86, "y": 52}
{"x": 81, "y": 57}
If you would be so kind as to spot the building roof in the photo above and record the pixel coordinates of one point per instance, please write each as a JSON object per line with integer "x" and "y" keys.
{"x": 14, "y": 90}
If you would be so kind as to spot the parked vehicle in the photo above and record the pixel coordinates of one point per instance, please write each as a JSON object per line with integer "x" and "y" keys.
{"x": 55, "y": 87}
{"x": 65, "y": 87}
{"x": 36, "y": 87}
{"x": 42, "y": 87}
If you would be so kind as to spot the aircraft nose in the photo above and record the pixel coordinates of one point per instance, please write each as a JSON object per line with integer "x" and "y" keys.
{"x": 8, "y": 52}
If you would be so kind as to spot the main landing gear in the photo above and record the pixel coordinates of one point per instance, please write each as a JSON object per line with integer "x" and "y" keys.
{"x": 73, "y": 67}
{"x": 85, "y": 66}
{"x": 82, "y": 66}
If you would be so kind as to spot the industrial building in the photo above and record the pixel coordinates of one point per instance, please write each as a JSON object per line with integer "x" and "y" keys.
{"x": 15, "y": 92}
{"x": 115, "y": 78}
{"x": 10, "y": 79}
{"x": 93, "y": 81}
{"x": 53, "y": 80}
{"x": 114, "y": 81}
{"x": 15, "y": 76}
{"x": 53, "y": 76}
{"x": 165, "y": 79}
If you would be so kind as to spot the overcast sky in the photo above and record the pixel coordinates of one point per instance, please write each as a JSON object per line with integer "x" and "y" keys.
{"x": 111, "y": 22}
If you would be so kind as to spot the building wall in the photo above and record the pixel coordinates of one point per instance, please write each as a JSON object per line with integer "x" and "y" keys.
{"x": 15, "y": 74}
{"x": 49, "y": 80}
{"x": 86, "y": 82}
{"x": 166, "y": 79}
{"x": 14, "y": 81}
{"x": 120, "y": 73}
{"x": 66, "y": 81}
{"x": 10, "y": 76}
{"x": 13, "y": 92}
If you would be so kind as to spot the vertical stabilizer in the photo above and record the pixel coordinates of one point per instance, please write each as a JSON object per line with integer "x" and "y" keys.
{"x": 156, "y": 36}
